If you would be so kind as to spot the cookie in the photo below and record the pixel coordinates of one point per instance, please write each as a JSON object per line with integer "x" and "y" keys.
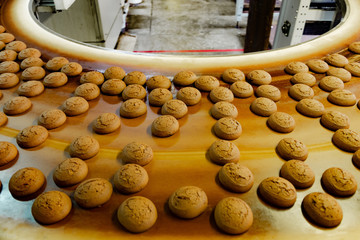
{"x": 206, "y": 83}
{"x": 16, "y": 46}
{"x": 70, "y": 172}
{"x": 268, "y": 91}
{"x": 8, "y": 80}
{"x": 222, "y": 152}
{"x": 339, "y": 182}
{"x": 353, "y": 68}
{"x": 298, "y": 173}
{"x": 263, "y": 106}
{"x": 300, "y": 91}
{"x": 135, "y": 77}
{"x": 334, "y": 120}
{"x": 74, "y": 106}
{"x": 29, "y": 52}
{"x": 278, "y": 192}
{"x": 114, "y": 72}
{"x": 51, "y": 119}
{"x": 330, "y": 83}
{"x": 242, "y": 89}
{"x": 221, "y": 94}
{"x": 6, "y": 37}
{"x": 322, "y": 209}
{"x": 236, "y": 177}
{"x": 159, "y": 96}
{"x": 304, "y": 78}
{"x": 164, "y": 126}
{"x": 113, "y": 87}
{"x": 188, "y": 202}
{"x": 233, "y": 215}
{"x": 130, "y": 178}
{"x": 17, "y": 105}
{"x": 26, "y": 181}
{"x": 175, "y": 108}
{"x": 31, "y": 62}
{"x": 354, "y": 47}
{"x": 55, "y": 79}
{"x": 138, "y": 153}
{"x": 2, "y": 44}
{"x": 84, "y": 147}
{"x": 89, "y": 91}
{"x": 341, "y": 73}
{"x": 227, "y": 128}
{"x": 158, "y": 81}
{"x": 51, "y": 207}
{"x": 232, "y": 75}
{"x": 32, "y": 136}
{"x": 189, "y": 95}
{"x": 356, "y": 159}
{"x": 9, "y": 67}
{"x": 133, "y": 91}
{"x": 342, "y": 97}
{"x": 336, "y": 60}
{"x": 106, "y": 123}
{"x": 71, "y": 69}
{"x": 137, "y": 214}
{"x": 184, "y": 78}
{"x": 290, "y": 148}
{"x": 8, "y": 55}
{"x": 56, "y": 63}
{"x": 310, "y": 107}
{"x": 3, "y": 119}
{"x": 318, "y": 65}
{"x": 33, "y": 73}
{"x": 133, "y": 108}
{"x": 31, "y": 88}
{"x": 346, "y": 139}
{"x": 259, "y": 77}
{"x": 281, "y": 122}
{"x": 8, "y": 152}
{"x": 2, "y": 29}
{"x": 223, "y": 109}
{"x": 296, "y": 67}
{"x": 94, "y": 77}
{"x": 93, "y": 193}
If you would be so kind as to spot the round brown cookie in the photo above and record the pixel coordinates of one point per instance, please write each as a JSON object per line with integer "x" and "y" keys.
{"x": 133, "y": 108}
{"x": 354, "y": 47}
{"x": 310, "y": 107}
{"x": 33, "y": 73}
{"x": 3, "y": 119}
{"x": 159, "y": 96}
{"x": 164, "y": 126}
{"x": 259, "y": 77}
{"x": 298, "y": 173}
{"x": 135, "y": 77}
{"x": 296, "y": 67}
{"x": 263, "y": 106}
{"x": 341, "y": 73}
{"x": 8, "y": 152}
{"x": 175, "y": 108}
{"x": 268, "y": 91}
{"x": 130, "y": 178}
{"x": 114, "y": 73}
{"x": 31, "y": 62}
{"x": 222, "y": 152}
{"x": 336, "y": 60}
{"x": 189, "y": 95}
{"x": 184, "y": 78}
{"x": 31, "y": 88}
{"x": 32, "y": 136}
{"x": 138, "y": 153}
{"x": 133, "y": 91}
{"x": 158, "y": 81}
{"x": 322, "y": 209}
{"x": 207, "y": 83}
{"x": 93, "y": 192}
{"x": 221, "y": 94}
{"x": 356, "y": 159}
{"x": 8, "y": 55}
{"x": 223, "y": 109}
{"x": 318, "y": 65}
{"x": 236, "y": 177}
{"x": 17, "y": 105}
{"x": 51, "y": 207}
{"x": 70, "y": 172}
{"x": 106, "y": 123}
{"x": 330, "y": 83}
{"x": 56, "y": 63}
{"x": 55, "y": 79}
{"x": 339, "y": 182}
{"x": 94, "y": 77}
{"x": 232, "y": 75}
{"x": 137, "y": 214}
{"x": 227, "y": 128}
{"x": 281, "y": 122}
{"x": 6, "y": 37}
{"x": 334, "y": 120}
{"x": 233, "y": 216}
{"x": 26, "y": 181}
{"x": 242, "y": 89}
{"x": 301, "y": 91}
{"x": 89, "y": 91}
{"x": 84, "y": 147}
{"x": 16, "y": 46}
{"x": 188, "y": 202}
{"x": 9, "y": 67}
{"x": 290, "y": 148}
{"x": 29, "y": 52}
{"x": 277, "y": 191}
{"x": 353, "y": 68}
{"x": 342, "y": 97}
{"x": 71, "y": 69}
{"x": 304, "y": 78}
{"x": 8, "y": 80}
{"x": 346, "y": 139}
{"x": 75, "y": 106}
{"x": 113, "y": 87}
